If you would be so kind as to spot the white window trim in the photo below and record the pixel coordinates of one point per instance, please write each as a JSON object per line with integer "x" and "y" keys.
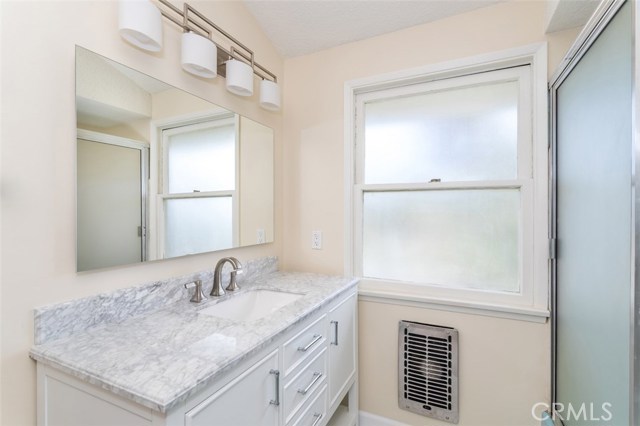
{"x": 533, "y": 305}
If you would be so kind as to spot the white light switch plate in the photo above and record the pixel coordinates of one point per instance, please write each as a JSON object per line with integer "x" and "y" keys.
{"x": 316, "y": 240}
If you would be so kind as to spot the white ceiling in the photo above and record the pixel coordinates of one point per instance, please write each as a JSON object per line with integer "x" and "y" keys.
{"x": 300, "y": 27}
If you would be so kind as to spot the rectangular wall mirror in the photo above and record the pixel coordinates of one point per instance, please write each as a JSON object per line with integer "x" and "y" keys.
{"x": 162, "y": 173}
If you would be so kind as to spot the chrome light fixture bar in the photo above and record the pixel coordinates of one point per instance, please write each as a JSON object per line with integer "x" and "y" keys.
{"x": 201, "y": 55}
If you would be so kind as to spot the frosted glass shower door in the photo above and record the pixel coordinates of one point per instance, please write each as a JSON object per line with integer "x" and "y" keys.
{"x": 594, "y": 231}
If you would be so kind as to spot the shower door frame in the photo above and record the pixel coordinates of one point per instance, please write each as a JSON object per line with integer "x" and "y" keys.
{"x": 605, "y": 12}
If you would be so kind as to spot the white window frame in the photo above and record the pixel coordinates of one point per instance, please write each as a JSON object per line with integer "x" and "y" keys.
{"x": 158, "y": 177}
{"x": 531, "y": 303}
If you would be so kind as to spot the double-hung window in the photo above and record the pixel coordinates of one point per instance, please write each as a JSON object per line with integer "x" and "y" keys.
{"x": 444, "y": 193}
{"x": 199, "y": 187}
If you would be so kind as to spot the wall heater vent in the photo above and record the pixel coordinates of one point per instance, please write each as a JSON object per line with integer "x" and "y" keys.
{"x": 428, "y": 370}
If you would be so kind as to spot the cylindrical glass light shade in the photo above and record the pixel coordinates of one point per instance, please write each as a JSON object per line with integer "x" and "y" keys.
{"x": 269, "y": 95}
{"x": 239, "y": 78}
{"x": 140, "y": 23}
{"x": 199, "y": 55}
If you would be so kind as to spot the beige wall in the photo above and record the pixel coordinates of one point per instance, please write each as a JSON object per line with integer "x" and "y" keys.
{"x": 504, "y": 363}
{"x": 38, "y": 162}
{"x": 256, "y": 189}
{"x": 173, "y": 103}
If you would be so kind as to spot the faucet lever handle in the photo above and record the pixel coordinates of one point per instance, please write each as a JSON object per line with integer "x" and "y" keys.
{"x": 237, "y": 270}
{"x": 198, "y": 295}
{"x": 233, "y": 285}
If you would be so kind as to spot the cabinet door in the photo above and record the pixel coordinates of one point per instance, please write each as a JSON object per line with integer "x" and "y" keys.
{"x": 342, "y": 346}
{"x": 249, "y": 399}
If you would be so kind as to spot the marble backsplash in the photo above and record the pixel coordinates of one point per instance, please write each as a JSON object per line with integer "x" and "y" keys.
{"x": 60, "y": 320}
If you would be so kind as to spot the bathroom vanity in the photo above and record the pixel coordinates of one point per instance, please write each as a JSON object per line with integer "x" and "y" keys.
{"x": 201, "y": 364}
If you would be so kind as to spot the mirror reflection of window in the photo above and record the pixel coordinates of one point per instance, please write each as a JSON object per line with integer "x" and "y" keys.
{"x": 201, "y": 157}
{"x": 199, "y": 197}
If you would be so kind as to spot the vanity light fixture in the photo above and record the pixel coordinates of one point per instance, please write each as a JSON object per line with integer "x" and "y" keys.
{"x": 199, "y": 55}
{"x": 269, "y": 95}
{"x": 239, "y": 77}
{"x": 141, "y": 25}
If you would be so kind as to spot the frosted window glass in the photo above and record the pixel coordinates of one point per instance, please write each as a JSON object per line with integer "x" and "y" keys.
{"x": 197, "y": 225}
{"x": 454, "y": 238}
{"x": 454, "y": 135}
{"x": 202, "y": 160}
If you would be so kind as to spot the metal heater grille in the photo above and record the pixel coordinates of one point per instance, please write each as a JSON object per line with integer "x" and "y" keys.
{"x": 428, "y": 370}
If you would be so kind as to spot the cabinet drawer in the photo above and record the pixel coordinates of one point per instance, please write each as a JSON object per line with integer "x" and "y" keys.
{"x": 298, "y": 390}
{"x": 303, "y": 344}
{"x": 315, "y": 413}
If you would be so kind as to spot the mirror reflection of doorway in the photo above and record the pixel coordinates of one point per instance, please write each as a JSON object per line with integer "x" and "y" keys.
{"x": 111, "y": 199}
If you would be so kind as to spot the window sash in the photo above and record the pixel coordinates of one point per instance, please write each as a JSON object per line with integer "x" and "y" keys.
{"x": 525, "y": 188}
{"x": 208, "y": 124}
{"x": 445, "y": 237}
{"x": 521, "y": 74}
{"x": 197, "y": 196}
{"x": 160, "y": 208}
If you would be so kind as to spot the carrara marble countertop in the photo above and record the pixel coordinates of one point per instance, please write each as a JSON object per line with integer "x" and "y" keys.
{"x": 163, "y": 357}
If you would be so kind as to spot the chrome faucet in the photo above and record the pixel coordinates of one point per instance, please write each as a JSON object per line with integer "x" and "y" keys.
{"x": 217, "y": 290}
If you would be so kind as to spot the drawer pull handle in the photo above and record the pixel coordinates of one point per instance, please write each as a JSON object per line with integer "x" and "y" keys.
{"x": 335, "y": 332}
{"x": 316, "y": 377}
{"x": 318, "y": 416}
{"x": 277, "y": 400}
{"x": 316, "y": 339}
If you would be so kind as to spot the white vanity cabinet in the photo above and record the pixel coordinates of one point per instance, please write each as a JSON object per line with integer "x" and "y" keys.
{"x": 252, "y": 398}
{"x": 300, "y": 378}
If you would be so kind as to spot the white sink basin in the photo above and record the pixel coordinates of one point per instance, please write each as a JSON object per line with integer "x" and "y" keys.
{"x": 251, "y": 305}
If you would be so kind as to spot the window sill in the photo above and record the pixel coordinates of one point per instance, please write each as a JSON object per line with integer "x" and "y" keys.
{"x": 369, "y": 293}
